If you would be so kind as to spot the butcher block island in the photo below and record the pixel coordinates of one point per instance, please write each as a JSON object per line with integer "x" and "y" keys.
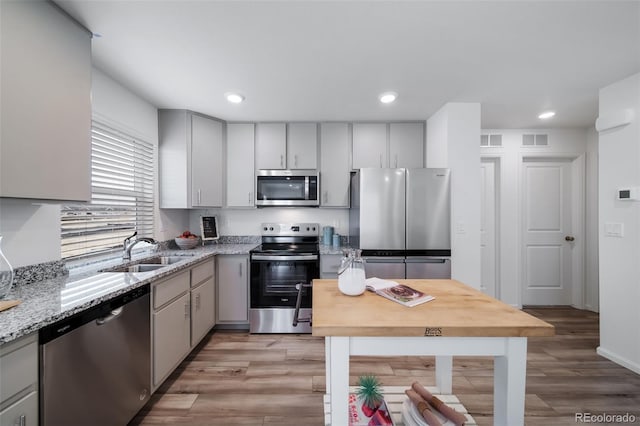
{"x": 460, "y": 321}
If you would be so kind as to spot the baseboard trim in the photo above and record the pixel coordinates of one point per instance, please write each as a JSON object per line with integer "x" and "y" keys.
{"x": 635, "y": 367}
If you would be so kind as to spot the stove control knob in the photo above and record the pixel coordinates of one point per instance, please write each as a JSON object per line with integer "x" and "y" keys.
{"x": 271, "y": 228}
{"x": 313, "y": 229}
{"x": 307, "y": 228}
{"x": 265, "y": 228}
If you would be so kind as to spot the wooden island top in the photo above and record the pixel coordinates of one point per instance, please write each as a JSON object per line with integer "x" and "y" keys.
{"x": 457, "y": 311}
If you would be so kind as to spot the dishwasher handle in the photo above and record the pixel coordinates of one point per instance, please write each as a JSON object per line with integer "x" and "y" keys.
{"x": 425, "y": 260}
{"x": 113, "y": 315}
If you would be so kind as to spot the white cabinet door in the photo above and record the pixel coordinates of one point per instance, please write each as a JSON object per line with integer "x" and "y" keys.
{"x": 171, "y": 337}
{"x": 240, "y": 165}
{"x": 302, "y": 146}
{"x": 369, "y": 145}
{"x": 23, "y": 412}
{"x": 233, "y": 289}
{"x": 334, "y": 165}
{"x": 406, "y": 145}
{"x": 45, "y": 122}
{"x": 206, "y": 162}
{"x": 329, "y": 265}
{"x": 202, "y": 310}
{"x": 271, "y": 146}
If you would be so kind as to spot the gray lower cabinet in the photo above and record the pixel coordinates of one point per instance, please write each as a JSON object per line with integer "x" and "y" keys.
{"x": 19, "y": 382}
{"x": 183, "y": 313}
{"x": 233, "y": 290}
{"x": 203, "y": 300}
{"x": 329, "y": 264}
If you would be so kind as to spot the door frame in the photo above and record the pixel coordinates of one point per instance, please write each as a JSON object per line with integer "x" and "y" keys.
{"x": 578, "y": 206}
{"x": 497, "y": 162}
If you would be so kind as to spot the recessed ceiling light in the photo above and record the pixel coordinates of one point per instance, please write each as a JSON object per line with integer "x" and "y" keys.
{"x": 234, "y": 98}
{"x": 388, "y": 97}
{"x": 547, "y": 114}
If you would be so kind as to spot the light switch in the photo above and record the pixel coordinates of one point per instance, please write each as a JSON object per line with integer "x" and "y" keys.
{"x": 614, "y": 230}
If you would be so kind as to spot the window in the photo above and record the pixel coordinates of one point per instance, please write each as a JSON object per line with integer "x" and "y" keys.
{"x": 122, "y": 171}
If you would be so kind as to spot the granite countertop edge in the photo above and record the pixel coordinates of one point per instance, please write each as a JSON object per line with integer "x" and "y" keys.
{"x": 40, "y": 301}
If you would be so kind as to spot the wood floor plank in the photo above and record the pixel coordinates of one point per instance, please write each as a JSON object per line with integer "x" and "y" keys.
{"x": 235, "y": 378}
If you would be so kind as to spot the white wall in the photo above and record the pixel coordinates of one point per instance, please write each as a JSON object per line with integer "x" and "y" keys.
{"x": 619, "y": 166}
{"x": 247, "y": 222}
{"x": 120, "y": 107}
{"x": 453, "y": 135}
{"x": 561, "y": 142}
{"x": 592, "y": 300}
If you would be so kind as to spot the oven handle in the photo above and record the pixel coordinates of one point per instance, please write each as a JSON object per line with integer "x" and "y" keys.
{"x": 299, "y": 257}
{"x": 296, "y": 312}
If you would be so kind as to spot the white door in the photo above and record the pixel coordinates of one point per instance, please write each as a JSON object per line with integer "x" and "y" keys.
{"x": 546, "y": 217}
{"x": 369, "y": 145}
{"x": 406, "y": 145}
{"x": 488, "y": 227}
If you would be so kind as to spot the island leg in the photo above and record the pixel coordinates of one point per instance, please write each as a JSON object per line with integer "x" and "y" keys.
{"x": 444, "y": 374}
{"x": 509, "y": 383}
{"x": 338, "y": 380}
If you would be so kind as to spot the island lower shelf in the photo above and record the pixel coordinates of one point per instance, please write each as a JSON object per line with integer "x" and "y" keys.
{"x": 394, "y": 396}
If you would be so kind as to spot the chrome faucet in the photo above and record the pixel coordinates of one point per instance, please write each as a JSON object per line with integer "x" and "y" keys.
{"x": 127, "y": 245}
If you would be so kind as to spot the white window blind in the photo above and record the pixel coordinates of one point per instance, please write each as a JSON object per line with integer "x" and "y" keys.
{"x": 122, "y": 171}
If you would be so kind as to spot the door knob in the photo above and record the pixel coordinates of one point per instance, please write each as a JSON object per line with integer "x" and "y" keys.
{"x": 569, "y": 238}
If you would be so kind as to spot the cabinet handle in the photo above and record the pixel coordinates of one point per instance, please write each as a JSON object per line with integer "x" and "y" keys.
{"x": 240, "y": 269}
{"x": 282, "y": 161}
{"x": 380, "y": 160}
{"x": 198, "y": 301}
{"x": 199, "y": 197}
{"x": 396, "y": 161}
{"x": 23, "y": 420}
{"x": 326, "y": 196}
{"x": 187, "y": 309}
{"x": 249, "y": 197}
{"x": 295, "y": 161}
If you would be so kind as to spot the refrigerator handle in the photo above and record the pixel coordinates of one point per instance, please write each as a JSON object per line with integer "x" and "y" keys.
{"x": 409, "y": 260}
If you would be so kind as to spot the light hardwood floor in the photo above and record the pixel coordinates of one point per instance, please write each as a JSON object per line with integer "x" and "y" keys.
{"x": 242, "y": 379}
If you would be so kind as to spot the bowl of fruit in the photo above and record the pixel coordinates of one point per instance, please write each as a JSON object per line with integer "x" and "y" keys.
{"x": 187, "y": 240}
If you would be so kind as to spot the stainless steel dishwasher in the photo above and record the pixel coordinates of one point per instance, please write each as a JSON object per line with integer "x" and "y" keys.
{"x": 95, "y": 365}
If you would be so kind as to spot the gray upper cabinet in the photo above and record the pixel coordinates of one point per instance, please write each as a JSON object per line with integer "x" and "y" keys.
{"x": 388, "y": 145}
{"x": 302, "y": 146}
{"x": 282, "y": 146}
{"x": 369, "y": 145}
{"x": 191, "y": 160}
{"x": 240, "y": 165}
{"x": 334, "y": 165}
{"x": 406, "y": 145}
{"x": 46, "y": 105}
{"x": 271, "y": 146}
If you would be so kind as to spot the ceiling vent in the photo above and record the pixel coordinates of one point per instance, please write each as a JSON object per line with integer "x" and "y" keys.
{"x": 491, "y": 140}
{"x": 535, "y": 140}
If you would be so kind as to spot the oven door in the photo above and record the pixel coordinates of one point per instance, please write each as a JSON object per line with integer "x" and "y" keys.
{"x": 274, "y": 279}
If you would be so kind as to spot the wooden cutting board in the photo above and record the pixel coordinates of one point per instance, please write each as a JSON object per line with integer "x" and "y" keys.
{"x": 6, "y": 304}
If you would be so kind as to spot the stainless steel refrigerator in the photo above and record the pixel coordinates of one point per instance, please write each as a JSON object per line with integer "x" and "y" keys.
{"x": 401, "y": 219}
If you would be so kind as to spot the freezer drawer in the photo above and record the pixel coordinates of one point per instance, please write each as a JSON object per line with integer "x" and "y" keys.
{"x": 384, "y": 267}
{"x": 428, "y": 267}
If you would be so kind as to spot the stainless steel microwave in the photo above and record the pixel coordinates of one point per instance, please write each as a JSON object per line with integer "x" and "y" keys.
{"x": 287, "y": 188}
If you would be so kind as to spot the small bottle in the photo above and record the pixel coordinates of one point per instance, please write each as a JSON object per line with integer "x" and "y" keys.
{"x": 336, "y": 240}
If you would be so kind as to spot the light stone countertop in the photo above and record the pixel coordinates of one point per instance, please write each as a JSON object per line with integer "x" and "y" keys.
{"x": 45, "y": 302}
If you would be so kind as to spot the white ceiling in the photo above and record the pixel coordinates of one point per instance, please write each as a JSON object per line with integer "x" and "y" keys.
{"x": 322, "y": 61}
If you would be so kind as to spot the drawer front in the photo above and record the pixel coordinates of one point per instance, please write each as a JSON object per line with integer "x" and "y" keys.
{"x": 171, "y": 288}
{"x": 202, "y": 272}
{"x": 22, "y": 413}
{"x": 330, "y": 263}
{"x": 18, "y": 367}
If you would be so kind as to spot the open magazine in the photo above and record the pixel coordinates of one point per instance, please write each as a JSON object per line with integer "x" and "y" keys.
{"x": 399, "y": 293}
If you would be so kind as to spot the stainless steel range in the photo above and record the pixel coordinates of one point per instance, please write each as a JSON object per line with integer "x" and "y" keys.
{"x": 288, "y": 256}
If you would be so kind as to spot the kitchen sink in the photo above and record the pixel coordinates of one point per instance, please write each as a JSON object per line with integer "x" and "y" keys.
{"x": 163, "y": 260}
{"x": 149, "y": 264}
{"x": 141, "y": 267}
